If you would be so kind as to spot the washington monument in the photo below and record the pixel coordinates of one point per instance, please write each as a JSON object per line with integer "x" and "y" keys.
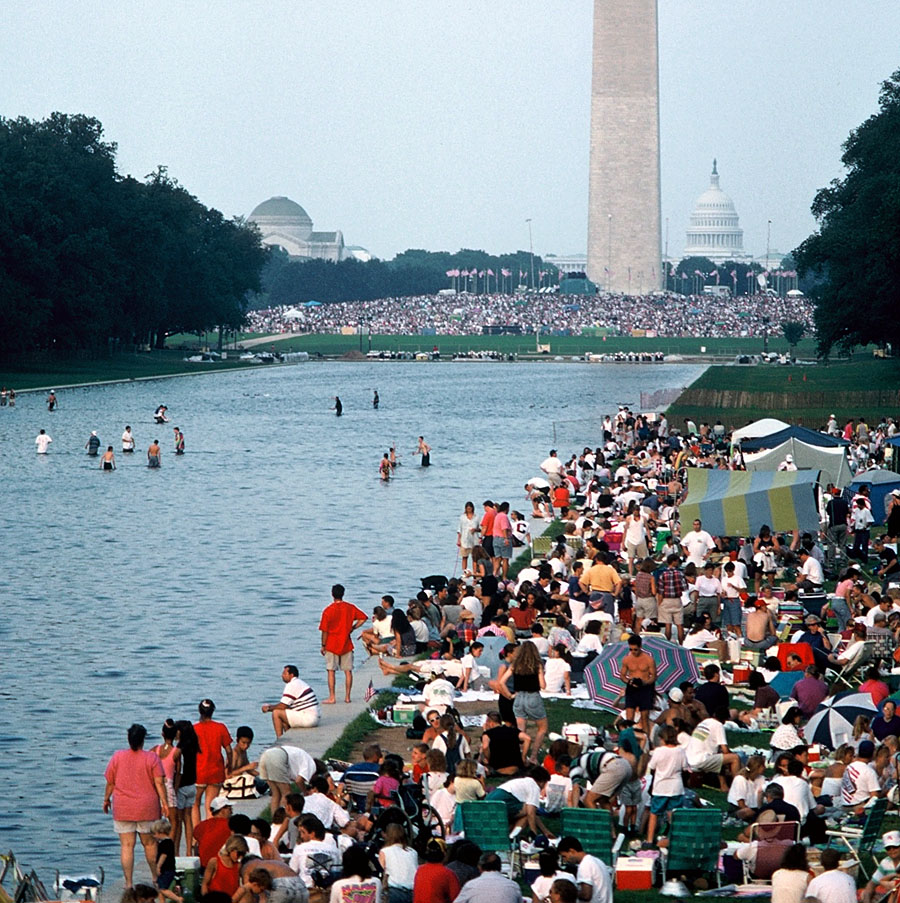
{"x": 623, "y": 249}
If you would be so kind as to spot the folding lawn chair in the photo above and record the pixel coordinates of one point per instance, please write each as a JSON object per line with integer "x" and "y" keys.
{"x": 694, "y": 841}
{"x": 854, "y": 666}
{"x": 860, "y": 840}
{"x": 594, "y": 828}
{"x": 486, "y": 823}
{"x": 773, "y": 840}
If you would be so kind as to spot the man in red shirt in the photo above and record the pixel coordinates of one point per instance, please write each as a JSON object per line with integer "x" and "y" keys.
{"x": 338, "y": 622}
{"x": 211, "y": 833}
{"x": 487, "y": 525}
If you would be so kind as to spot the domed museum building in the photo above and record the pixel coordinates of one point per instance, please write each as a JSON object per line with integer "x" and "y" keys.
{"x": 285, "y": 224}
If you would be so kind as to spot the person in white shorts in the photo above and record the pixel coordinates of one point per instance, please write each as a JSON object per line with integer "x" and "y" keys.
{"x": 298, "y": 706}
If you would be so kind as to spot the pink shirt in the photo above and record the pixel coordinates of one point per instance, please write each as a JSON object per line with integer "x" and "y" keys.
{"x": 501, "y": 525}
{"x": 132, "y": 774}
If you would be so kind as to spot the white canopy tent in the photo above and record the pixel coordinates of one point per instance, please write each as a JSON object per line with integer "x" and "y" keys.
{"x": 292, "y": 314}
{"x": 832, "y": 462}
{"x": 760, "y": 428}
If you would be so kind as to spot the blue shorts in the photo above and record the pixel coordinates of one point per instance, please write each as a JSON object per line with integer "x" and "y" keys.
{"x": 502, "y": 547}
{"x": 731, "y": 613}
{"x": 660, "y": 804}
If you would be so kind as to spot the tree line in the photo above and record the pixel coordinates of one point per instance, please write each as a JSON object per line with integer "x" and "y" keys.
{"x": 90, "y": 257}
{"x": 287, "y": 281}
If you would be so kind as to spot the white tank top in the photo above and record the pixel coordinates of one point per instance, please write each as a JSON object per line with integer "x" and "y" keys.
{"x": 401, "y": 865}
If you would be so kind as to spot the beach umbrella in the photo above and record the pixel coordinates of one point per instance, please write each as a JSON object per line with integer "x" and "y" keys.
{"x": 832, "y": 722}
{"x": 673, "y": 664}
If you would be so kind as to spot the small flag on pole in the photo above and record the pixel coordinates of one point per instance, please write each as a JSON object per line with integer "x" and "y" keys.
{"x": 370, "y": 691}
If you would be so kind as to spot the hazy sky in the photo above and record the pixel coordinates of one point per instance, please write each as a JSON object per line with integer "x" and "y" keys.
{"x": 443, "y": 126}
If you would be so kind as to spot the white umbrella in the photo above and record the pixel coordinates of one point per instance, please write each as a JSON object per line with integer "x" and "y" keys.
{"x": 832, "y": 722}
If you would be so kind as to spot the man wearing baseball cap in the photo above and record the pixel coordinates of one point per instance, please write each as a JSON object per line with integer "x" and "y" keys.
{"x": 212, "y": 832}
{"x": 885, "y": 877}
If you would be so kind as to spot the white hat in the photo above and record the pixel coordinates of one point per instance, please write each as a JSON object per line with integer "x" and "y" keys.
{"x": 891, "y": 839}
{"x": 789, "y": 458}
{"x": 220, "y": 802}
{"x": 675, "y": 694}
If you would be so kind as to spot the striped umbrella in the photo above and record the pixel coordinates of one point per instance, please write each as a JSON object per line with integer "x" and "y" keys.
{"x": 673, "y": 664}
{"x": 832, "y": 722}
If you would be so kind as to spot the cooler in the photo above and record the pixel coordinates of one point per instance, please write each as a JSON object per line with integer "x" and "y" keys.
{"x": 403, "y": 714}
{"x": 188, "y": 867}
{"x": 741, "y": 673}
{"x": 633, "y": 873}
{"x": 585, "y": 735}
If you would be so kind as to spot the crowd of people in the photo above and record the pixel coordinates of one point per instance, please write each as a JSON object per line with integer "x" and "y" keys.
{"x": 621, "y": 567}
{"x": 660, "y": 314}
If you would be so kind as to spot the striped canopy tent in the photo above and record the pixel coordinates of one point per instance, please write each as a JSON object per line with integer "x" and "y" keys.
{"x": 738, "y": 503}
{"x": 674, "y": 664}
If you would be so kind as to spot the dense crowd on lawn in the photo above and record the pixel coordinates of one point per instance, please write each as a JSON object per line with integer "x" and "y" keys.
{"x": 621, "y": 566}
{"x": 464, "y": 314}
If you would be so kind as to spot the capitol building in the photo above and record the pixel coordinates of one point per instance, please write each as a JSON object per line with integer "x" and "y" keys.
{"x": 714, "y": 231}
{"x": 285, "y": 224}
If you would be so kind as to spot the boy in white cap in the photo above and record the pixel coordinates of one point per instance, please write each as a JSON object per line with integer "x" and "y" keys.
{"x": 885, "y": 877}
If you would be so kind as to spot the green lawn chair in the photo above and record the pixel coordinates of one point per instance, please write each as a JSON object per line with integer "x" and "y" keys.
{"x": 860, "y": 840}
{"x": 695, "y": 838}
{"x": 594, "y": 829}
{"x": 485, "y": 823}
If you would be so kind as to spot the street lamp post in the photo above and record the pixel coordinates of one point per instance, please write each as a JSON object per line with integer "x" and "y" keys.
{"x": 666, "y": 256}
{"x": 768, "y": 243}
{"x": 531, "y": 251}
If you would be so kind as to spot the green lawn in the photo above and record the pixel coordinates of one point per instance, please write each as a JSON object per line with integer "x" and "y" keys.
{"x": 64, "y": 372}
{"x": 864, "y": 386}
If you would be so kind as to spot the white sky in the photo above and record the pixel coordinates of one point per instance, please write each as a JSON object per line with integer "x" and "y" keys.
{"x": 442, "y": 126}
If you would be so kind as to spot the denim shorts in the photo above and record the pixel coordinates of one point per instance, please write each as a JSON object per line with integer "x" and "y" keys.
{"x": 529, "y": 705}
{"x": 185, "y": 796}
{"x": 731, "y": 612}
{"x": 660, "y": 804}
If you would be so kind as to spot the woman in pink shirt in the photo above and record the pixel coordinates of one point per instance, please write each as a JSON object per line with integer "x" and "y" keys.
{"x": 135, "y": 785}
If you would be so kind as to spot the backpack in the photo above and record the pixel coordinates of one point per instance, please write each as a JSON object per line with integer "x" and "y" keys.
{"x": 453, "y": 755}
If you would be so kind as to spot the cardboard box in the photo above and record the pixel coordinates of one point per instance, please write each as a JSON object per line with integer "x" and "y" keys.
{"x": 633, "y": 873}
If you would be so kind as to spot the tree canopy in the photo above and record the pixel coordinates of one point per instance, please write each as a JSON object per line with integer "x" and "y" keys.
{"x": 412, "y": 272}
{"x": 88, "y": 255}
{"x": 854, "y": 255}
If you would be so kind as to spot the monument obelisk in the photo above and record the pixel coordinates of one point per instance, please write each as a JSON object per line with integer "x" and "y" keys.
{"x": 624, "y": 249}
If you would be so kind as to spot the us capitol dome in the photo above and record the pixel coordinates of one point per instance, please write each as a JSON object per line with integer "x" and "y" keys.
{"x": 285, "y": 224}
{"x": 714, "y": 231}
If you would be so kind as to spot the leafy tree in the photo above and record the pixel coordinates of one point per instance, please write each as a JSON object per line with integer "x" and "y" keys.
{"x": 793, "y": 332}
{"x": 87, "y": 255}
{"x": 855, "y": 254}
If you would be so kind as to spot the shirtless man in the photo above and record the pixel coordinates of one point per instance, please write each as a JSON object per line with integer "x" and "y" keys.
{"x": 760, "y": 626}
{"x": 108, "y": 460}
{"x": 638, "y": 673}
{"x": 52, "y": 403}
{"x": 424, "y": 449}
{"x": 153, "y": 454}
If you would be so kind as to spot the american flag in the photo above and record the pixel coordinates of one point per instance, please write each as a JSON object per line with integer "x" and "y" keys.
{"x": 370, "y": 691}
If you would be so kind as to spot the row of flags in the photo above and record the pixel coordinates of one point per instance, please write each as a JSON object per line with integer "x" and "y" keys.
{"x": 465, "y": 274}
{"x": 786, "y": 274}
